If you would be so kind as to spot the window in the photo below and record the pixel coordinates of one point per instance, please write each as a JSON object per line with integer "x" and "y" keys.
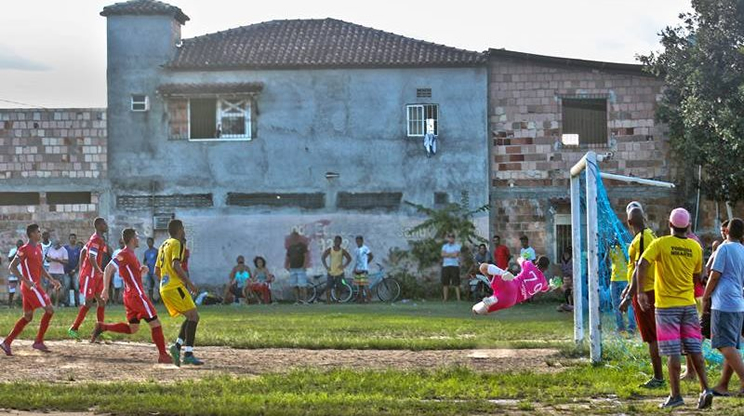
{"x": 563, "y": 235}
{"x": 220, "y": 118}
{"x": 19, "y": 198}
{"x": 309, "y": 200}
{"x": 423, "y": 92}
{"x": 135, "y": 202}
{"x": 369, "y": 200}
{"x": 587, "y": 118}
{"x": 417, "y": 115}
{"x": 441, "y": 198}
{"x": 140, "y": 102}
{"x": 60, "y": 198}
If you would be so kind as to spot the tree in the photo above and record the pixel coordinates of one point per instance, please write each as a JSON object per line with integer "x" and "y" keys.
{"x": 702, "y": 63}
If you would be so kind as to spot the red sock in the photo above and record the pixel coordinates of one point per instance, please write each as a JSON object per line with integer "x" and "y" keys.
{"x": 100, "y": 312}
{"x": 121, "y": 328}
{"x": 17, "y": 329}
{"x": 43, "y": 326}
{"x": 159, "y": 339}
{"x": 80, "y": 318}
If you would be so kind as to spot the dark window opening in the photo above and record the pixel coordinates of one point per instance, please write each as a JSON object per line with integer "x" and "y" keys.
{"x": 19, "y": 198}
{"x": 133, "y": 202}
{"x": 67, "y": 198}
{"x": 586, "y": 117}
{"x": 308, "y": 201}
{"x": 441, "y": 198}
{"x": 203, "y": 118}
{"x": 369, "y": 200}
{"x": 423, "y": 93}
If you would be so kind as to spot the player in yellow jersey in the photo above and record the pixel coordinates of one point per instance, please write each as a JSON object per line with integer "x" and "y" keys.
{"x": 175, "y": 291}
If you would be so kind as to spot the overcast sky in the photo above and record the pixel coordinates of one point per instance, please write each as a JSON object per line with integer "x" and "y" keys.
{"x": 53, "y": 52}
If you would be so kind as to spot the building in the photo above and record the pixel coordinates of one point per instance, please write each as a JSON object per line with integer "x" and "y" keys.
{"x": 308, "y": 125}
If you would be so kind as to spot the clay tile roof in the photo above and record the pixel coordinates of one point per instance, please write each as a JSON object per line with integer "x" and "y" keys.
{"x": 314, "y": 43}
{"x": 218, "y": 88}
{"x": 145, "y": 7}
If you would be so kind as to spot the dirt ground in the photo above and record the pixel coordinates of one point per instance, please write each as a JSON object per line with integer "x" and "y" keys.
{"x": 72, "y": 361}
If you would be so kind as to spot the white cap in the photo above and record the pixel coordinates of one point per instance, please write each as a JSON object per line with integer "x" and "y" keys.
{"x": 633, "y": 205}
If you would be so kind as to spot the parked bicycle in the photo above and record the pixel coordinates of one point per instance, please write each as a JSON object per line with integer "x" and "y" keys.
{"x": 386, "y": 288}
{"x": 317, "y": 288}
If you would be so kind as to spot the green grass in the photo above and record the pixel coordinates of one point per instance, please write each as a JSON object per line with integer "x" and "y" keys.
{"x": 423, "y": 326}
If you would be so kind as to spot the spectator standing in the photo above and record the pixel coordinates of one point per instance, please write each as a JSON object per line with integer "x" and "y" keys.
{"x": 296, "y": 262}
{"x": 46, "y": 244}
{"x": 13, "y": 279}
{"x": 363, "y": 257}
{"x": 618, "y": 283}
{"x": 72, "y": 283}
{"x": 679, "y": 262}
{"x": 340, "y": 259}
{"x": 451, "y": 267}
{"x": 501, "y": 254}
{"x": 723, "y": 297}
{"x": 483, "y": 256}
{"x": 149, "y": 259}
{"x": 58, "y": 259}
{"x": 527, "y": 252}
{"x": 118, "y": 281}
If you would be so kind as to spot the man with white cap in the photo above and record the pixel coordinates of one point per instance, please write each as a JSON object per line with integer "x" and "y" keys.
{"x": 679, "y": 264}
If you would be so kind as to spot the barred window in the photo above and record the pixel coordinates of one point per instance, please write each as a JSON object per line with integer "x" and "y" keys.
{"x": 369, "y": 200}
{"x": 416, "y": 116}
{"x": 134, "y": 202}
{"x": 587, "y": 118}
{"x": 220, "y": 118}
{"x": 302, "y": 200}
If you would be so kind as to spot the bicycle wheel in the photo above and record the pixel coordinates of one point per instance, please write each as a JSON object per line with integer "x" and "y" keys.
{"x": 388, "y": 290}
{"x": 312, "y": 294}
{"x": 342, "y": 293}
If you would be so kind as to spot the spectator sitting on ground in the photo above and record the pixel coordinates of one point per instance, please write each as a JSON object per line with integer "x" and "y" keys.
{"x": 260, "y": 283}
{"x": 238, "y": 281}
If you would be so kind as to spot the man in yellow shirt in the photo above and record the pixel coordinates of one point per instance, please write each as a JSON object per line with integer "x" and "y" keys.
{"x": 175, "y": 291}
{"x": 618, "y": 283}
{"x": 645, "y": 318}
{"x": 679, "y": 263}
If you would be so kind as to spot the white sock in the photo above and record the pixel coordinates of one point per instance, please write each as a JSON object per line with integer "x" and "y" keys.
{"x": 189, "y": 349}
{"x": 179, "y": 342}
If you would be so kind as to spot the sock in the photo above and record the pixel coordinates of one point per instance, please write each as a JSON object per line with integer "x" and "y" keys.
{"x": 159, "y": 339}
{"x": 190, "y": 337}
{"x": 182, "y": 334}
{"x": 17, "y": 329}
{"x": 100, "y": 313}
{"x": 43, "y": 326}
{"x": 121, "y": 328}
{"x": 80, "y": 318}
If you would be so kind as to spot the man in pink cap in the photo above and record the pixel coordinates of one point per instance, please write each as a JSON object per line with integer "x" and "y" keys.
{"x": 679, "y": 264}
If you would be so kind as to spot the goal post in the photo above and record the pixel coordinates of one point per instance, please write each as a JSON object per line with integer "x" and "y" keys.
{"x": 588, "y": 166}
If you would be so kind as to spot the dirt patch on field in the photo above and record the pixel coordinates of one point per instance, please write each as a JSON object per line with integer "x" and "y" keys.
{"x": 120, "y": 361}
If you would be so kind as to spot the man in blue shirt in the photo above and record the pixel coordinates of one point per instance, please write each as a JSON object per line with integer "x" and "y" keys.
{"x": 72, "y": 283}
{"x": 149, "y": 259}
{"x": 723, "y": 297}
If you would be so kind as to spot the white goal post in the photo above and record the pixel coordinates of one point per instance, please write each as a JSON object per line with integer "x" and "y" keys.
{"x": 588, "y": 164}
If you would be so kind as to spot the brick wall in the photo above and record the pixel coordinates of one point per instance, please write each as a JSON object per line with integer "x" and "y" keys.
{"x": 64, "y": 143}
{"x": 51, "y": 150}
{"x": 525, "y": 122}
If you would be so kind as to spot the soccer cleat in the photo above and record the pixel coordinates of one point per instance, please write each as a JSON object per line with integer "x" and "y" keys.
{"x": 40, "y": 346}
{"x": 97, "y": 331}
{"x": 191, "y": 360}
{"x": 175, "y": 355}
{"x": 706, "y": 399}
{"x": 6, "y": 348}
{"x": 165, "y": 359}
{"x": 73, "y": 333}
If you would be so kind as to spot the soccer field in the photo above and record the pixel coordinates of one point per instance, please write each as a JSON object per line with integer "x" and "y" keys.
{"x": 421, "y": 358}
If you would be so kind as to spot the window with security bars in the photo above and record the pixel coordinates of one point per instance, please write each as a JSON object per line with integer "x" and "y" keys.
{"x": 301, "y": 200}
{"x": 369, "y": 200}
{"x": 220, "y": 118}
{"x": 19, "y": 198}
{"x": 587, "y": 118}
{"x": 133, "y": 202}
{"x": 416, "y": 116}
{"x": 140, "y": 102}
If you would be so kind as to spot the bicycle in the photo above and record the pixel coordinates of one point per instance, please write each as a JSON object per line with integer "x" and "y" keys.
{"x": 386, "y": 288}
{"x": 316, "y": 287}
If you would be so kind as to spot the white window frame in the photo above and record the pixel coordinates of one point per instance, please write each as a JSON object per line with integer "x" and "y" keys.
{"x": 219, "y": 115}
{"x": 419, "y": 123}
{"x": 133, "y": 103}
{"x": 559, "y": 219}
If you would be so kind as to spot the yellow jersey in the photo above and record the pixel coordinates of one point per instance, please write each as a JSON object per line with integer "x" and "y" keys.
{"x": 619, "y": 265}
{"x": 677, "y": 260}
{"x": 634, "y": 253}
{"x": 171, "y": 249}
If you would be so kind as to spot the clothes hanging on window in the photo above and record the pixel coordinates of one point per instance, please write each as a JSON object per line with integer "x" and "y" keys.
{"x": 430, "y": 144}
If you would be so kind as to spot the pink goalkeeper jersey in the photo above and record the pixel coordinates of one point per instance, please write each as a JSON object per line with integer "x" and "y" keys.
{"x": 531, "y": 281}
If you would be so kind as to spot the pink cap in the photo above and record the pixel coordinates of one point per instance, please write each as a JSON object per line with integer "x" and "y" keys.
{"x": 679, "y": 218}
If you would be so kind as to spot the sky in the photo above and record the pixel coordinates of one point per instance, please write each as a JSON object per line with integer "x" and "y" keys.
{"x": 53, "y": 53}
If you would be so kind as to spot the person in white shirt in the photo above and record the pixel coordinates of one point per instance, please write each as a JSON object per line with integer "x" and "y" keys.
{"x": 362, "y": 257}
{"x": 451, "y": 267}
{"x": 527, "y": 252}
{"x": 57, "y": 258}
{"x": 46, "y": 244}
{"x": 12, "y": 279}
